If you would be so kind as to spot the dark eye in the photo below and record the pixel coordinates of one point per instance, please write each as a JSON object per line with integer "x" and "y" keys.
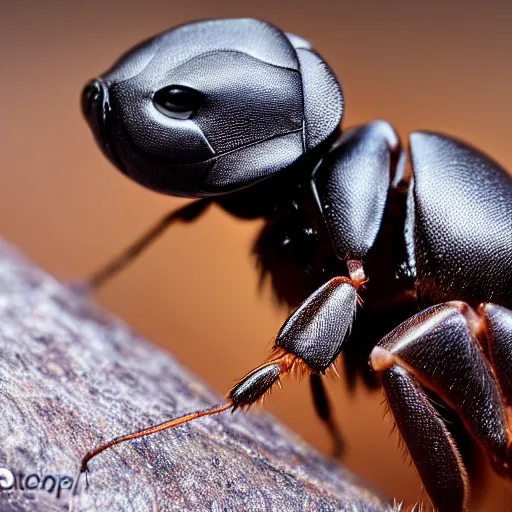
{"x": 177, "y": 101}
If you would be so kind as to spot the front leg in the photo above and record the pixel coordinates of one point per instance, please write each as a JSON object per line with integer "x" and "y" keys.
{"x": 309, "y": 342}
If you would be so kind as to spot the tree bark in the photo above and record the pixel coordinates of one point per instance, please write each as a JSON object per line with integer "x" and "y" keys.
{"x": 73, "y": 376}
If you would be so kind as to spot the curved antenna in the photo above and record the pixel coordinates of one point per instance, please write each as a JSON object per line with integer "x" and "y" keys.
{"x": 151, "y": 430}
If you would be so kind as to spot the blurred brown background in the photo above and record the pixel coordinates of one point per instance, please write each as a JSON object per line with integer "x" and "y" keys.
{"x": 437, "y": 65}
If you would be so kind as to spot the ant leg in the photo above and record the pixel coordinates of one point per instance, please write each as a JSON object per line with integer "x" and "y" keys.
{"x": 428, "y": 441}
{"x": 440, "y": 349}
{"x": 309, "y": 341}
{"x": 188, "y": 213}
{"x": 323, "y": 409}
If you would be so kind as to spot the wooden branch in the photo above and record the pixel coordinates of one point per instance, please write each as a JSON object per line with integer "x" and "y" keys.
{"x": 73, "y": 376}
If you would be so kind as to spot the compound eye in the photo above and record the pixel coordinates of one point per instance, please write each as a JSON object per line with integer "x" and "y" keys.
{"x": 177, "y": 101}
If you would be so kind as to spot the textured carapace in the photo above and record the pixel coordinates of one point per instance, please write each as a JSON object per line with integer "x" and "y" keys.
{"x": 461, "y": 221}
{"x": 213, "y": 106}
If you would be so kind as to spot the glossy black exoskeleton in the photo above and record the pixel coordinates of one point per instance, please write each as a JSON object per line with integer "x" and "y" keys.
{"x": 242, "y": 115}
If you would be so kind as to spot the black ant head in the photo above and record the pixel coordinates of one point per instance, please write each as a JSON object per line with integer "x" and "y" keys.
{"x": 213, "y": 106}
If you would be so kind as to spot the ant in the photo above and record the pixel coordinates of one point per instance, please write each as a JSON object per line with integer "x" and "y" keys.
{"x": 239, "y": 114}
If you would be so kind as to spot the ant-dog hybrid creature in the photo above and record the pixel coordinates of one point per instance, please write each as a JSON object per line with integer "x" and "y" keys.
{"x": 242, "y": 115}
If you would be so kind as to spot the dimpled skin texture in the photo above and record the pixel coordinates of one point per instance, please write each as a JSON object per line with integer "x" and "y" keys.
{"x": 256, "y": 38}
{"x": 323, "y": 103}
{"x": 462, "y": 222}
{"x": 267, "y": 158}
{"x": 317, "y": 330}
{"x": 237, "y": 92}
{"x": 254, "y": 90}
{"x": 352, "y": 186}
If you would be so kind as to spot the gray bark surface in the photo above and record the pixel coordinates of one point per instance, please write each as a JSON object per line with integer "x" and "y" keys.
{"x": 73, "y": 376}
